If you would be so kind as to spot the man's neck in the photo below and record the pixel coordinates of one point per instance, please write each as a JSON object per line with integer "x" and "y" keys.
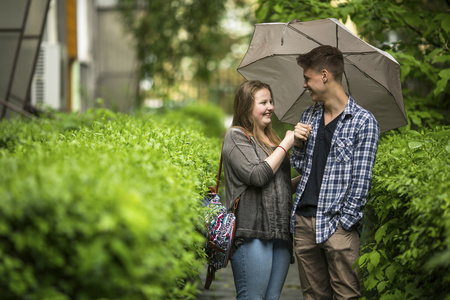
{"x": 334, "y": 104}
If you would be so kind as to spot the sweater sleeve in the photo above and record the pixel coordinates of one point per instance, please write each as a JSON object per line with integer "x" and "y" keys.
{"x": 240, "y": 152}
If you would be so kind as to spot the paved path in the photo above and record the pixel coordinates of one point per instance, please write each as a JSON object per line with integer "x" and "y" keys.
{"x": 223, "y": 287}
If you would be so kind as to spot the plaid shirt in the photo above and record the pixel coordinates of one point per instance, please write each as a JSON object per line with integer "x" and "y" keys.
{"x": 348, "y": 170}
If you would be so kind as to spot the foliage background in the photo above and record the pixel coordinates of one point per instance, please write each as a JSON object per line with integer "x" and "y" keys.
{"x": 94, "y": 196}
{"x": 407, "y": 243}
{"x": 104, "y": 205}
{"x": 188, "y": 47}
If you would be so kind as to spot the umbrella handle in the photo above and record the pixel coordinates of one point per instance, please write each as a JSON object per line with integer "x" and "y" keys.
{"x": 284, "y": 29}
{"x": 312, "y": 113}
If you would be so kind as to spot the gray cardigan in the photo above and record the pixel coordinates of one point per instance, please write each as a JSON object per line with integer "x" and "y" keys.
{"x": 265, "y": 198}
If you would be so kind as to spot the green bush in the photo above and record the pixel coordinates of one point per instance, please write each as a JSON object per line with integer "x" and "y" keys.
{"x": 207, "y": 118}
{"x": 102, "y": 206}
{"x": 408, "y": 256}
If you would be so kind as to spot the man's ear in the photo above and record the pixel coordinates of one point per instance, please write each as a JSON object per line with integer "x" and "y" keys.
{"x": 325, "y": 75}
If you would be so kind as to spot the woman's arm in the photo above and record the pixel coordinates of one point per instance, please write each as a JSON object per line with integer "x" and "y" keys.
{"x": 276, "y": 158}
{"x": 239, "y": 154}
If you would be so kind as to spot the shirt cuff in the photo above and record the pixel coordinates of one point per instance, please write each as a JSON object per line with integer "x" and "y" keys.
{"x": 298, "y": 151}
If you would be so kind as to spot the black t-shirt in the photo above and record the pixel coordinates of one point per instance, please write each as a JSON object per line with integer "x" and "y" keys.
{"x": 308, "y": 203}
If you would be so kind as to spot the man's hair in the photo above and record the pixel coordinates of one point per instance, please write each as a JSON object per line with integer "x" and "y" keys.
{"x": 323, "y": 57}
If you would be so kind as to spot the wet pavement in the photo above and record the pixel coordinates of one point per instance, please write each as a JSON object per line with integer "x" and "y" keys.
{"x": 223, "y": 287}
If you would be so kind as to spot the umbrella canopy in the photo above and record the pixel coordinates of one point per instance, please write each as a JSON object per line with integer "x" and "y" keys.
{"x": 371, "y": 76}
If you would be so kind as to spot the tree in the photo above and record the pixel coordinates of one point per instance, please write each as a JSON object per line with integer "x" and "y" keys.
{"x": 171, "y": 34}
{"x": 415, "y": 32}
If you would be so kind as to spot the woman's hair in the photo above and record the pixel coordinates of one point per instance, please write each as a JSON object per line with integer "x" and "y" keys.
{"x": 244, "y": 101}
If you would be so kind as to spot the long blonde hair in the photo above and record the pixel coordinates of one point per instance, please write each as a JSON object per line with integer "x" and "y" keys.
{"x": 244, "y": 101}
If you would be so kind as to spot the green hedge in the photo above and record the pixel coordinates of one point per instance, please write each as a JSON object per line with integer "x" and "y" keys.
{"x": 208, "y": 118}
{"x": 409, "y": 218}
{"x": 102, "y": 206}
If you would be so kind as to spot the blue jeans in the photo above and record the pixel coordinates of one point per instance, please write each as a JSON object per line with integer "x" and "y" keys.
{"x": 260, "y": 268}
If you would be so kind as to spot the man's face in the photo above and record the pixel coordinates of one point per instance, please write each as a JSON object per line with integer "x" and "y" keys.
{"x": 314, "y": 84}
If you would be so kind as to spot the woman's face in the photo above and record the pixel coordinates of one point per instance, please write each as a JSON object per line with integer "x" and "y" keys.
{"x": 263, "y": 108}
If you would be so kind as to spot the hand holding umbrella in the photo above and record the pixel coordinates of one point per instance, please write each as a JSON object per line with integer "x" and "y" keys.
{"x": 302, "y": 131}
{"x": 301, "y": 134}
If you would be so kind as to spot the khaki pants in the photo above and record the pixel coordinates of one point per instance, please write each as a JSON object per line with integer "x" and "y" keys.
{"x": 325, "y": 269}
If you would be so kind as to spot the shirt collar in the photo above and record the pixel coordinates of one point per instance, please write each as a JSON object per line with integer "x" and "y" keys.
{"x": 348, "y": 110}
{"x": 350, "y": 107}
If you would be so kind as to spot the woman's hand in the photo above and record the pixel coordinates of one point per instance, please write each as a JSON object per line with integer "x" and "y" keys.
{"x": 288, "y": 140}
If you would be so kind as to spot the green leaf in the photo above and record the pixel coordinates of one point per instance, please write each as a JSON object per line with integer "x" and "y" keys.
{"x": 441, "y": 85}
{"x": 390, "y": 272}
{"x": 381, "y": 232}
{"x": 417, "y": 121}
{"x": 441, "y": 58}
{"x": 444, "y": 73}
{"x": 374, "y": 258}
{"x": 446, "y": 23}
{"x": 363, "y": 259}
{"x": 414, "y": 145}
{"x": 381, "y": 286}
{"x": 370, "y": 282}
{"x": 278, "y": 8}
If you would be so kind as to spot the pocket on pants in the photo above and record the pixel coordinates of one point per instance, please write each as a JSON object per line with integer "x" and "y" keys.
{"x": 343, "y": 240}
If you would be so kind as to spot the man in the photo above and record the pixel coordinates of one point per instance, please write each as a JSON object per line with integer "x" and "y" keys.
{"x": 334, "y": 150}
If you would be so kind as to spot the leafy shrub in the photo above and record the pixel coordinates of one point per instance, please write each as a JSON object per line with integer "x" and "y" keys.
{"x": 409, "y": 217}
{"x": 207, "y": 118}
{"x": 101, "y": 205}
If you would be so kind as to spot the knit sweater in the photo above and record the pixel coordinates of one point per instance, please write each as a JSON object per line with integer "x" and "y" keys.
{"x": 265, "y": 198}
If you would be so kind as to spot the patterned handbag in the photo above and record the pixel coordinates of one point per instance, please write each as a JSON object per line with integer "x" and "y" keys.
{"x": 220, "y": 229}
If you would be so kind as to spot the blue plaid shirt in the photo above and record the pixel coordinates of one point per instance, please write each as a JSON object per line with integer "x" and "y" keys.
{"x": 348, "y": 171}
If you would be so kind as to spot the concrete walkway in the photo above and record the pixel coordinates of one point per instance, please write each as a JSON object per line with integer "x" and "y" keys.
{"x": 223, "y": 287}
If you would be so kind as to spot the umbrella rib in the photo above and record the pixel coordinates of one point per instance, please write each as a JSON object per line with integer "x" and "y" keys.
{"x": 360, "y": 53}
{"x": 367, "y": 75}
{"x": 337, "y": 36}
{"x": 304, "y": 90}
{"x": 337, "y": 41}
{"x": 348, "y": 83}
{"x": 306, "y": 36}
{"x": 262, "y": 58}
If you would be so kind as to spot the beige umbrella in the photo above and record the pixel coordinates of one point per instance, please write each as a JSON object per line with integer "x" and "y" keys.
{"x": 371, "y": 75}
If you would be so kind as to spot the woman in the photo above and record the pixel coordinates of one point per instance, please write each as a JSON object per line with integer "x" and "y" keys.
{"x": 257, "y": 171}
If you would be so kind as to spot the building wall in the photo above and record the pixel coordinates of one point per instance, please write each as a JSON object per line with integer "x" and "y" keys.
{"x": 116, "y": 81}
{"x": 96, "y": 57}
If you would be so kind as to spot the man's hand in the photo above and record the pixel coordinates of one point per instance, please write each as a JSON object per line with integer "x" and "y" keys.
{"x": 301, "y": 134}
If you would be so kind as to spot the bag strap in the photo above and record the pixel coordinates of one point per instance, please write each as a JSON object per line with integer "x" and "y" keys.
{"x": 211, "y": 272}
{"x": 210, "y": 276}
{"x": 220, "y": 163}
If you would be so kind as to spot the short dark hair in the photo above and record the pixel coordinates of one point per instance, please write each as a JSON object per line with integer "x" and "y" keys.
{"x": 323, "y": 57}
